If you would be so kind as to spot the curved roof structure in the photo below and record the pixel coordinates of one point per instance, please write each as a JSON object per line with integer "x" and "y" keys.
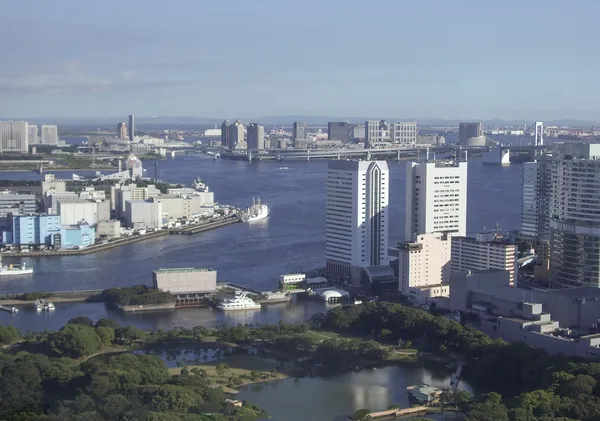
{"x": 333, "y": 293}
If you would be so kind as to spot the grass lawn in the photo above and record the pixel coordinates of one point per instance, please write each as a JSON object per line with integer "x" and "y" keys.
{"x": 239, "y": 367}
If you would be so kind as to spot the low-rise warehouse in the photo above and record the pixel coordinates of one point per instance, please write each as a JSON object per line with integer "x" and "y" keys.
{"x": 185, "y": 280}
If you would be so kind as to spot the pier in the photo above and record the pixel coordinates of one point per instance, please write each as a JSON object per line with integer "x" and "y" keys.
{"x": 197, "y": 228}
{"x": 92, "y": 295}
{"x": 397, "y": 413}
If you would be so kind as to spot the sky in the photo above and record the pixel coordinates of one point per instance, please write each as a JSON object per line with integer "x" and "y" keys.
{"x": 446, "y": 59}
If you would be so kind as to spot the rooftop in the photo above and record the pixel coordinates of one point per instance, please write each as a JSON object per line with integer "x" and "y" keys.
{"x": 181, "y": 270}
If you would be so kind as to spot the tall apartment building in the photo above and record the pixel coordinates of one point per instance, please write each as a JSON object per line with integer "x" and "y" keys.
{"x": 256, "y": 137}
{"x": 13, "y": 136}
{"x": 339, "y": 130}
{"x": 225, "y": 127}
{"x": 358, "y": 133}
{"x": 49, "y": 134}
{"x": 122, "y": 130}
{"x": 424, "y": 266}
{"x": 404, "y": 133}
{"x": 375, "y": 132}
{"x": 574, "y": 217}
{"x": 298, "y": 133}
{"x": 436, "y": 198}
{"x": 484, "y": 251}
{"x": 32, "y": 134}
{"x": 131, "y": 127}
{"x": 357, "y": 221}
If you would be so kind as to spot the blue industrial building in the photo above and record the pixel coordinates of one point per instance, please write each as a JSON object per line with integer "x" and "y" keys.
{"x": 77, "y": 236}
{"x": 32, "y": 230}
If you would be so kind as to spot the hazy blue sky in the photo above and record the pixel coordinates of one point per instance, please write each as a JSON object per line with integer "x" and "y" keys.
{"x": 522, "y": 59}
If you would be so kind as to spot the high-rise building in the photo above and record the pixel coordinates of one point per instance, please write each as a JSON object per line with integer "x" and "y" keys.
{"x": 436, "y": 198}
{"x": 404, "y": 133}
{"x": 32, "y": 134}
{"x": 339, "y": 130}
{"x": 376, "y": 131}
{"x": 574, "y": 218}
{"x": 484, "y": 251}
{"x": 122, "y": 130}
{"x": 298, "y": 133}
{"x": 13, "y": 136}
{"x": 357, "y": 221}
{"x": 256, "y": 137}
{"x": 225, "y": 127}
{"x": 470, "y": 134}
{"x": 358, "y": 133}
{"x": 131, "y": 127}
{"x": 49, "y": 134}
{"x": 236, "y": 136}
{"x": 424, "y": 266}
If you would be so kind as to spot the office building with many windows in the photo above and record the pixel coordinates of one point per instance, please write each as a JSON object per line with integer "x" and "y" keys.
{"x": 14, "y": 136}
{"x": 32, "y": 134}
{"x": 404, "y": 133}
{"x": 357, "y": 222}
{"x": 339, "y": 130}
{"x": 49, "y": 134}
{"x": 436, "y": 198}
{"x": 256, "y": 137}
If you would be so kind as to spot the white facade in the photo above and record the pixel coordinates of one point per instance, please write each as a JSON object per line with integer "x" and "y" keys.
{"x": 536, "y": 196}
{"x": 49, "y": 134}
{"x": 14, "y": 136}
{"x": 72, "y": 212}
{"x": 32, "y": 134}
{"x": 404, "y": 133}
{"x": 436, "y": 198}
{"x": 482, "y": 252}
{"x": 108, "y": 229}
{"x": 185, "y": 280}
{"x": 423, "y": 263}
{"x": 357, "y": 217}
{"x": 143, "y": 214}
{"x": 375, "y": 132}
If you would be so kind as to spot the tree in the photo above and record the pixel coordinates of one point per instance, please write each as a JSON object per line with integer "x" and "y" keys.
{"x": 106, "y": 334}
{"x": 107, "y": 323}
{"x": 81, "y": 320}
{"x": 361, "y": 415}
{"x": 8, "y": 335}
{"x": 490, "y": 409}
{"x": 75, "y": 340}
{"x": 129, "y": 334}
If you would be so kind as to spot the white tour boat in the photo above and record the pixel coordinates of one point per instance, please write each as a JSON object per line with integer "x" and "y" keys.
{"x": 240, "y": 301}
{"x": 21, "y": 269}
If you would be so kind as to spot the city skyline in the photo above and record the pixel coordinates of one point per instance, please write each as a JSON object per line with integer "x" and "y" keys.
{"x": 463, "y": 65}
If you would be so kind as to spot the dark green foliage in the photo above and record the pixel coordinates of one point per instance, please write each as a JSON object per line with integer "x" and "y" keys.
{"x": 137, "y": 295}
{"x": 8, "y": 335}
{"x": 75, "y": 340}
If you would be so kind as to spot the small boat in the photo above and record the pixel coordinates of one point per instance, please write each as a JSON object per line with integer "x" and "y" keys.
{"x": 49, "y": 307}
{"x": 9, "y": 270}
{"x": 39, "y": 306}
{"x": 240, "y": 301}
{"x": 283, "y": 168}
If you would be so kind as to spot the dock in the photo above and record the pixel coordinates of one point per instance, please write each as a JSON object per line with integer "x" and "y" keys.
{"x": 397, "y": 413}
{"x": 197, "y": 228}
{"x": 93, "y": 295}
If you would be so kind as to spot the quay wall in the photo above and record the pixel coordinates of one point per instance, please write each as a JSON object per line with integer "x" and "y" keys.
{"x": 154, "y": 307}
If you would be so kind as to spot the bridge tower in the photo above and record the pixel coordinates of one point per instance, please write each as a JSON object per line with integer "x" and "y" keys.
{"x": 308, "y": 155}
{"x": 368, "y": 155}
{"x": 249, "y": 155}
{"x": 398, "y": 155}
{"x": 539, "y": 133}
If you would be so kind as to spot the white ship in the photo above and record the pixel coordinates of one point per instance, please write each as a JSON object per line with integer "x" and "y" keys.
{"x": 49, "y": 307}
{"x": 200, "y": 185}
{"x": 239, "y": 302}
{"x": 257, "y": 211}
{"x": 21, "y": 269}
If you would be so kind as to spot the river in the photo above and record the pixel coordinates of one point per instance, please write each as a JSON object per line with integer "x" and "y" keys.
{"x": 292, "y": 238}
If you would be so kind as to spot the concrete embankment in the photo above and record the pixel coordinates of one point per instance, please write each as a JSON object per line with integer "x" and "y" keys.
{"x": 189, "y": 230}
{"x": 150, "y": 307}
{"x": 56, "y": 297}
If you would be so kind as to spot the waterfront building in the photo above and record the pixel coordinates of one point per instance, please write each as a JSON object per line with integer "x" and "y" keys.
{"x": 123, "y": 193}
{"x": 292, "y": 281}
{"x": 232, "y": 135}
{"x": 17, "y": 204}
{"x": 424, "y": 266}
{"x": 122, "y": 132}
{"x": 376, "y": 132}
{"x": 225, "y": 127}
{"x": 339, "y": 130}
{"x": 357, "y": 221}
{"x": 298, "y": 134}
{"x": 185, "y": 280}
{"x": 144, "y": 214}
{"x": 108, "y": 229}
{"x": 32, "y": 134}
{"x": 13, "y": 136}
{"x": 358, "y": 133}
{"x": 34, "y": 230}
{"x": 404, "y": 133}
{"x": 468, "y": 131}
{"x": 436, "y": 198}
{"x": 487, "y": 250}
{"x": 74, "y": 211}
{"x": 131, "y": 128}
{"x": 574, "y": 219}
{"x": 51, "y": 185}
{"x": 256, "y": 137}
{"x": 49, "y": 134}
{"x": 79, "y": 235}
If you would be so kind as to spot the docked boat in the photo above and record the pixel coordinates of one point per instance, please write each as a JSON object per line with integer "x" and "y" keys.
{"x": 240, "y": 301}
{"x": 49, "y": 306}
{"x": 7, "y": 270}
{"x": 200, "y": 185}
{"x": 39, "y": 305}
{"x": 257, "y": 211}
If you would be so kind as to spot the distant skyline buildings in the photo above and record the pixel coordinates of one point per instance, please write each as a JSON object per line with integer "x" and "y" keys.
{"x": 298, "y": 132}
{"x": 13, "y": 136}
{"x": 49, "y": 134}
{"x": 255, "y": 136}
{"x": 131, "y": 127}
{"x": 233, "y": 135}
{"x": 122, "y": 131}
{"x": 32, "y": 134}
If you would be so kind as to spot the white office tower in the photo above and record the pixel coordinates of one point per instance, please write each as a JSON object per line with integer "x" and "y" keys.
{"x": 32, "y": 134}
{"x": 13, "y": 136}
{"x": 404, "y": 133}
{"x": 357, "y": 222}
{"x": 575, "y": 217}
{"x": 49, "y": 134}
{"x": 436, "y": 198}
{"x": 376, "y": 132}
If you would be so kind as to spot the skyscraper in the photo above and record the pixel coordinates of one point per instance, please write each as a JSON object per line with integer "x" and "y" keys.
{"x": 535, "y": 215}
{"x": 122, "y": 130}
{"x": 404, "y": 133}
{"x": 574, "y": 219}
{"x": 131, "y": 127}
{"x": 225, "y": 127}
{"x": 299, "y": 132}
{"x": 339, "y": 130}
{"x": 256, "y": 137}
{"x": 357, "y": 220}
{"x": 236, "y": 136}
{"x": 49, "y": 134}
{"x": 13, "y": 136}
{"x": 436, "y": 198}
{"x": 32, "y": 134}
